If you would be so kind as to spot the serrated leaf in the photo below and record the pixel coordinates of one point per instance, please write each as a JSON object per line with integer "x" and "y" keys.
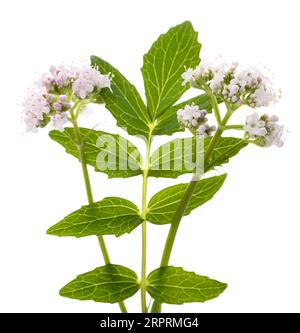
{"x": 174, "y": 158}
{"x": 106, "y": 152}
{"x": 123, "y": 100}
{"x": 110, "y": 216}
{"x": 173, "y": 285}
{"x": 108, "y": 284}
{"x": 162, "y": 206}
{"x": 164, "y": 64}
{"x": 167, "y": 123}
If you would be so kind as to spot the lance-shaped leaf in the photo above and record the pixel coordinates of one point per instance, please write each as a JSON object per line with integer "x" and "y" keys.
{"x": 109, "y": 153}
{"x": 178, "y": 156}
{"x": 164, "y": 64}
{"x": 123, "y": 100}
{"x": 110, "y": 216}
{"x": 174, "y": 285}
{"x": 108, "y": 284}
{"x": 162, "y": 206}
{"x": 167, "y": 122}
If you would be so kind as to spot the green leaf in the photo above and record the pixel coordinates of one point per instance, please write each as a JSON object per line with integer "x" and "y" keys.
{"x": 174, "y": 158}
{"x": 110, "y": 216}
{"x": 162, "y": 206}
{"x": 167, "y": 123}
{"x": 123, "y": 100}
{"x": 109, "y": 153}
{"x": 164, "y": 64}
{"x": 108, "y": 284}
{"x": 226, "y": 148}
{"x": 174, "y": 285}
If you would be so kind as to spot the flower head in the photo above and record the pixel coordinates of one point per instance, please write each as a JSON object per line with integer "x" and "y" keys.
{"x": 264, "y": 129}
{"x": 191, "y": 116}
{"x": 59, "y": 120}
{"x": 36, "y": 109}
{"x": 195, "y": 120}
{"x": 57, "y": 91}
{"x": 254, "y": 126}
{"x": 233, "y": 83}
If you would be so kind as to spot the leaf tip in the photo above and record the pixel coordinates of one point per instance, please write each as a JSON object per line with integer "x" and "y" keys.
{"x": 63, "y": 292}
{"x": 51, "y": 134}
{"x": 52, "y": 231}
{"x": 223, "y": 176}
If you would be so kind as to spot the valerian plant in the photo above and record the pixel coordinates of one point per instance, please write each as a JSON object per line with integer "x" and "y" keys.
{"x": 169, "y": 69}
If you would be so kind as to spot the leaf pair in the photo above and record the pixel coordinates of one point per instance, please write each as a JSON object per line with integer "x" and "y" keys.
{"x": 118, "y": 157}
{"x": 117, "y": 216}
{"x": 114, "y": 283}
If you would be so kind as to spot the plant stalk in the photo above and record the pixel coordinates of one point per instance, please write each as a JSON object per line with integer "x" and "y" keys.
{"x": 156, "y": 307}
{"x": 80, "y": 148}
{"x": 144, "y": 227}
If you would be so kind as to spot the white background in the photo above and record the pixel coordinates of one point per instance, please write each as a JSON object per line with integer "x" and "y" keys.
{"x": 247, "y": 236}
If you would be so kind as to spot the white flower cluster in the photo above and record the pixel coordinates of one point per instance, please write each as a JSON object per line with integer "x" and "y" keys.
{"x": 82, "y": 81}
{"x": 233, "y": 83}
{"x": 57, "y": 91}
{"x": 264, "y": 129}
{"x": 195, "y": 119}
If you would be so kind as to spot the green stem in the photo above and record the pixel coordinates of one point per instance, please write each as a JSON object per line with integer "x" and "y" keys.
{"x": 80, "y": 148}
{"x": 144, "y": 228}
{"x": 215, "y": 105}
{"x": 236, "y": 127}
{"x": 156, "y": 307}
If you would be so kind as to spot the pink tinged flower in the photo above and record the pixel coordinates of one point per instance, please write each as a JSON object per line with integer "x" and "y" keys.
{"x": 206, "y": 130}
{"x": 187, "y": 76}
{"x": 45, "y": 82}
{"x": 49, "y": 97}
{"x": 216, "y": 83}
{"x": 31, "y": 122}
{"x": 57, "y": 106}
{"x": 82, "y": 87}
{"x": 191, "y": 116}
{"x": 63, "y": 75}
{"x": 263, "y": 96}
{"x": 59, "y": 120}
{"x": 63, "y": 98}
{"x": 91, "y": 75}
{"x": 254, "y": 126}
{"x": 105, "y": 81}
{"x": 265, "y": 129}
{"x": 53, "y": 70}
{"x": 275, "y": 137}
{"x": 274, "y": 132}
{"x": 36, "y": 104}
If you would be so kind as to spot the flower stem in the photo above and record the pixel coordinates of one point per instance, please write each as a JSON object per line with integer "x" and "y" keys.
{"x": 215, "y": 105}
{"x": 80, "y": 148}
{"x": 144, "y": 227}
{"x": 236, "y": 127}
{"x": 156, "y": 307}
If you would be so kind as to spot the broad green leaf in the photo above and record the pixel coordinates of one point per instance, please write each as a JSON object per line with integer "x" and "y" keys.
{"x": 123, "y": 100}
{"x": 110, "y": 216}
{"x": 163, "y": 205}
{"x": 225, "y": 149}
{"x": 164, "y": 64}
{"x": 109, "y": 153}
{"x": 174, "y": 285}
{"x": 108, "y": 284}
{"x": 167, "y": 123}
{"x": 174, "y": 158}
